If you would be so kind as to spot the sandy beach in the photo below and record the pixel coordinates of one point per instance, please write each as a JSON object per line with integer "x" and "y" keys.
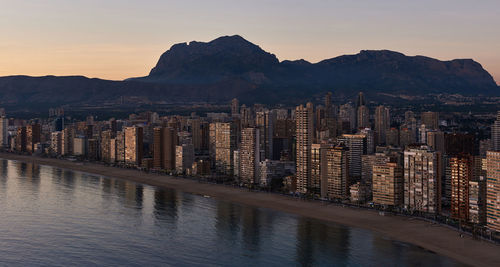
{"x": 436, "y": 238}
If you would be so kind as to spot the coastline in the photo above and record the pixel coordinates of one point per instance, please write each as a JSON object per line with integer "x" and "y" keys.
{"x": 436, "y": 238}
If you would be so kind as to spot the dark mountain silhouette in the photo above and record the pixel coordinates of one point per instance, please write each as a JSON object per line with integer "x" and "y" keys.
{"x": 230, "y": 66}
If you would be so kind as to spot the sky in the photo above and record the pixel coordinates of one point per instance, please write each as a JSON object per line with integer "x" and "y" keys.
{"x": 118, "y": 39}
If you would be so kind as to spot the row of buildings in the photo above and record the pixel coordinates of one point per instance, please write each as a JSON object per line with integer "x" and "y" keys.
{"x": 338, "y": 152}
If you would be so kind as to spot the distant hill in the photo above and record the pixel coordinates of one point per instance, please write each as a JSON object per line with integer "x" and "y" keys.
{"x": 230, "y": 66}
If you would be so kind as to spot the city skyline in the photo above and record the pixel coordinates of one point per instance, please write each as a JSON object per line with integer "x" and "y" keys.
{"x": 236, "y": 133}
{"x": 121, "y": 40}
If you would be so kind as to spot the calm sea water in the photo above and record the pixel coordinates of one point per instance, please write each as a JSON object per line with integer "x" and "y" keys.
{"x": 57, "y": 217}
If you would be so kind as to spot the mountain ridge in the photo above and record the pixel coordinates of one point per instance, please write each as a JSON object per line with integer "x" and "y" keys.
{"x": 231, "y": 66}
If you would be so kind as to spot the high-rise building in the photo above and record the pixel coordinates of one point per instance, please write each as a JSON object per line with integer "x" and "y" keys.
{"x": 347, "y": 116}
{"x": 246, "y": 115}
{"x": 164, "y": 148}
{"x": 422, "y": 183}
{"x": 363, "y": 118}
{"x": 360, "y": 100}
{"x": 199, "y": 132}
{"x": 79, "y": 145}
{"x": 387, "y": 186}
{"x": 56, "y": 142}
{"x": 422, "y": 134}
{"x": 406, "y": 137}
{"x": 430, "y": 119}
{"x": 435, "y": 139}
{"x": 335, "y": 174}
{"x": 367, "y": 162}
{"x": 477, "y": 201}
{"x": 106, "y": 148}
{"x": 211, "y": 142}
{"x": 392, "y": 138}
{"x": 249, "y": 156}
{"x": 120, "y": 146}
{"x": 4, "y": 140}
{"x": 410, "y": 122}
{"x": 67, "y": 140}
{"x": 184, "y": 158}
{"x": 92, "y": 149}
{"x": 493, "y": 190}
{"x": 495, "y": 133}
{"x": 329, "y": 108}
{"x": 225, "y": 144}
{"x": 457, "y": 143}
{"x": 304, "y": 138}
{"x": 33, "y": 132}
{"x": 316, "y": 158}
{"x": 382, "y": 123}
{"x": 370, "y": 140}
{"x": 461, "y": 169}
{"x": 356, "y": 143}
{"x": 265, "y": 121}
{"x": 133, "y": 145}
{"x": 235, "y": 107}
{"x": 21, "y": 139}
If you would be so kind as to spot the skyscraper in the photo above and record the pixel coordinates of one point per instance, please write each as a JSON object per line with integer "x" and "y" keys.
{"x": 335, "y": 174}
{"x": 493, "y": 190}
{"x": 360, "y": 100}
{"x": 461, "y": 168}
{"x": 67, "y": 140}
{"x": 4, "y": 141}
{"x": 225, "y": 144}
{"x": 392, "y": 137}
{"x": 382, "y": 123}
{"x": 316, "y": 158}
{"x": 56, "y": 142}
{"x": 133, "y": 145}
{"x": 164, "y": 148}
{"x": 184, "y": 158}
{"x": 106, "y": 149}
{"x": 387, "y": 185}
{"x": 363, "y": 118}
{"x": 235, "y": 107}
{"x": 406, "y": 137}
{"x": 120, "y": 146}
{"x": 422, "y": 183}
{"x": 430, "y": 119}
{"x": 329, "y": 109}
{"x": 265, "y": 121}
{"x": 249, "y": 156}
{"x": 32, "y": 136}
{"x": 495, "y": 133}
{"x": 457, "y": 143}
{"x": 304, "y": 131}
{"x": 21, "y": 139}
{"x": 370, "y": 140}
{"x": 356, "y": 143}
{"x": 435, "y": 139}
{"x": 347, "y": 116}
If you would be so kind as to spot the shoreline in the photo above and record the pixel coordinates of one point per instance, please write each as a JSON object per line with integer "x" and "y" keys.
{"x": 432, "y": 237}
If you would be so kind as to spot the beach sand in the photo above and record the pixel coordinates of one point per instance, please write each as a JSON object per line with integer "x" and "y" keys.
{"x": 433, "y": 237}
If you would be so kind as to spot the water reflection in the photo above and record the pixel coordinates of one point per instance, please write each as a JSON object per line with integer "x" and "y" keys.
{"x": 250, "y": 228}
{"x": 315, "y": 238}
{"x": 30, "y": 175}
{"x": 115, "y": 222}
{"x": 4, "y": 167}
{"x": 166, "y": 206}
{"x": 227, "y": 223}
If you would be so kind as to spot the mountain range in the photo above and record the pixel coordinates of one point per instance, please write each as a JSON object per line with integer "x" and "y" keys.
{"x": 231, "y": 66}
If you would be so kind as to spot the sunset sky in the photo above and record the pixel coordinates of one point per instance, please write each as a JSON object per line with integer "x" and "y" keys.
{"x": 120, "y": 39}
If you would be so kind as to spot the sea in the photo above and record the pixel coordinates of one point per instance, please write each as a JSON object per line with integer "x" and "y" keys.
{"x": 58, "y": 217}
